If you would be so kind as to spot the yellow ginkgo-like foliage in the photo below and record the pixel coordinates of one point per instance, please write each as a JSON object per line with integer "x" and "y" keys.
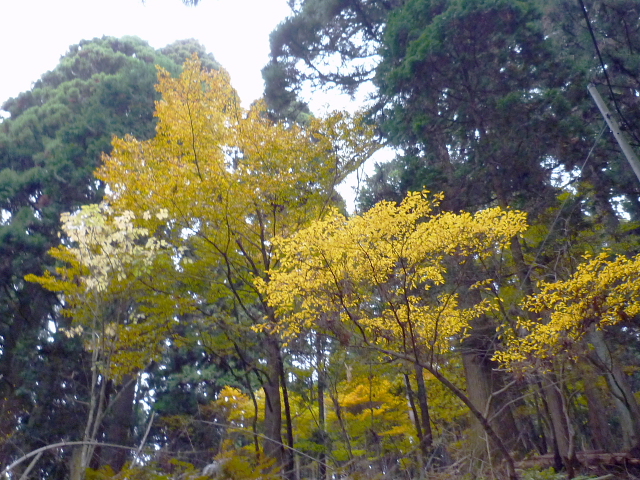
{"x": 381, "y": 275}
{"x": 603, "y": 291}
{"x": 229, "y": 178}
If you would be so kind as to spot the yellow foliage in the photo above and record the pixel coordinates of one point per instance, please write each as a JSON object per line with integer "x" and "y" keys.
{"x": 446, "y": 410}
{"x": 214, "y": 166}
{"x": 603, "y": 291}
{"x": 234, "y": 405}
{"x": 99, "y": 283}
{"x": 227, "y": 180}
{"x": 192, "y": 211}
{"x": 243, "y": 465}
{"x": 375, "y": 413}
{"x": 382, "y": 274}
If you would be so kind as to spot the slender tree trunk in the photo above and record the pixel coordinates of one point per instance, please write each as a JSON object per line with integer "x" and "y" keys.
{"x": 547, "y": 418}
{"x": 119, "y": 424}
{"x": 542, "y": 415}
{"x": 623, "y": 397}
{"x": 598, "y": 425}
{"x": 289, "y": 453}
{"x": 558, "y": 412}
{"x": 486, "y": 425}
{"x": 85, "y": 454}
{"x": 322, "y": 464}
{"x": 422, "y": 458}
{"x": 343, "y": 428}
{"x": 273, "y": 409}
{"x": 254, "y": 420}
{"x": 424, "y": 408}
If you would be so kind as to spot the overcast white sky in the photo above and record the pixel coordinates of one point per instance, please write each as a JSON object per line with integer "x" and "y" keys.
{"x": 35, "y": 33}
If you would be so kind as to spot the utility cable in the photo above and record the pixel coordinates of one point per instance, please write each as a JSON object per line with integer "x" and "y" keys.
{"x": 604, "y": 70}
{"x": 553, "y": 224}
{"x": 542, "y": 245}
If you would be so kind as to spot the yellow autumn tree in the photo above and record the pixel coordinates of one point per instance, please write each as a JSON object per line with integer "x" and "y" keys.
{"x": 364, "y": 418}
{"x": 103, "y": 260}
{"x": 570, "y": 316}
{"x": 230, "y": 180}
{"x": 382, "y": 280}
{"x": 602, "y": 292}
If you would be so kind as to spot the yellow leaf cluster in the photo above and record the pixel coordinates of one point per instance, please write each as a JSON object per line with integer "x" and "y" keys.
{"x": 383, "y": 272}
{"x": 368, "y": 406}
{"x": 218, "y": 182}
{"x": 234, "y": 406}
{"x": 229, "y": 179}
{"x": 603, "y": 291}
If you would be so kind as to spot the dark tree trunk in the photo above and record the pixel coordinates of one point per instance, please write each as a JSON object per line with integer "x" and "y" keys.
{"x": 562, "y": 432}
{"x": 289, "y": 452}
{"x": 273, "y": 408}
{"x": 427, "y": 441}
{"x": 118, "y": 425}
{"x": 416, "y": 418}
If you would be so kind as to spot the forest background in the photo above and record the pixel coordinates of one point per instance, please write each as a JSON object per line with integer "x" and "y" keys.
{"x": 185, "y": 295}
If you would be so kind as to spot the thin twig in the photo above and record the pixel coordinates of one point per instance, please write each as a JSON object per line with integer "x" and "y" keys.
{"x": 25, "y": 475}
{"x": 40, "y": 450}
{"x": 144, "y": 438}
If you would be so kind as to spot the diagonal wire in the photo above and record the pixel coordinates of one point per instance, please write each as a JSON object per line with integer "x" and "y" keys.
{"x": 542, "y": 245}
{"x": 604, "y": 70}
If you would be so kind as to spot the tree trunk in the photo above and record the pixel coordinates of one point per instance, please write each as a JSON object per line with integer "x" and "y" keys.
{"x": 483, "y": 379}
{"x": 482, "y": 419}
{"x": 119, "y": 424}
{"x": 422, "y": 458}
{"x": 273, "y": 409}
{"x": 481, "y": 372}
{"x": 601, "y": 437}
{"x": 289, "y": 452}
{"x": 561, "y": 429}
{"x": 623, "y": 396}
{"x": 425, "y": 418}
{"x": 322, "y": 458}
{"x": 338, "y": 409}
